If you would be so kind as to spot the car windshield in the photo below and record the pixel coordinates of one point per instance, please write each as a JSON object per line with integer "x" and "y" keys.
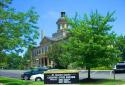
{"x": 34, "y": 70}
{"x": 120, "y": 66}
{"x": 39, "y": 69}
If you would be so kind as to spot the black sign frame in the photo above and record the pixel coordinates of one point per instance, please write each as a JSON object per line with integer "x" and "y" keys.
{"x": 61, "y": 78}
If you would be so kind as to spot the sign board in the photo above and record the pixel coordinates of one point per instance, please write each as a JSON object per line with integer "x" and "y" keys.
{"x": 61, "y": 78}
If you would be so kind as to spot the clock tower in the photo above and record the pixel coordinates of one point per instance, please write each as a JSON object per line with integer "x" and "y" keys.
{"x": 62, "y": 25}
{"x": 61, "y": 22}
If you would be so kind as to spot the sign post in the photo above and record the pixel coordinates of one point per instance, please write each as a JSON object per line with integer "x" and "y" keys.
{"x": 114, "y": 74}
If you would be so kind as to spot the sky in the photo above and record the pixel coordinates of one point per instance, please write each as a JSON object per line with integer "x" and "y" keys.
{"x": 49, "y": 11}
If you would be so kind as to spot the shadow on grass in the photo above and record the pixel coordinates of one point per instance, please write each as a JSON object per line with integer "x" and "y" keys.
{"x": 97, "y": 81}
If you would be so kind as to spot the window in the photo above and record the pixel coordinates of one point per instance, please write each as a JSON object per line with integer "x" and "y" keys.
{"x": 58, "y": 26}
{"x": 32, "y": 53}
{"x": 61, "y": 26}
{"x": 38, "y": 51}
{"x": 41, "y": 50}
{"x": 35, "y": 52}
{"x": 46, "y": 48}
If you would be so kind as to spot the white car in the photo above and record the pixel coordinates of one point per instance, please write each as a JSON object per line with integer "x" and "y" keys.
{"x": 37, "y": 77}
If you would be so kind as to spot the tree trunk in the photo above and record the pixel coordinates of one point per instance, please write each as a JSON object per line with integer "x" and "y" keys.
{"x": 89, "y": 73}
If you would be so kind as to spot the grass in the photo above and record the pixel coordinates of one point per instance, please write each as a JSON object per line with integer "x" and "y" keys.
{"x": 12, "y": 81}
{"x": 102, "y": 82}
{"x": 102, "y": 68}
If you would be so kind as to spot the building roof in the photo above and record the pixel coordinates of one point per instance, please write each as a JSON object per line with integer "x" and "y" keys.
{"x": 61, "y": 20}
{"x": 50, "y": 38}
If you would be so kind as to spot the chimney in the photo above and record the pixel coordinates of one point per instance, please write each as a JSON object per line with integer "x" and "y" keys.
{"x": 62, "y": 14}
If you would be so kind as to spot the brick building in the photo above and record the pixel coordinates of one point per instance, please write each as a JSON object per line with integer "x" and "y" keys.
{"x": 39, "y": 54}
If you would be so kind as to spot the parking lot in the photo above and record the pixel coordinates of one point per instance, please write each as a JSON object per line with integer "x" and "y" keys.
{"x": 83, "y": 74}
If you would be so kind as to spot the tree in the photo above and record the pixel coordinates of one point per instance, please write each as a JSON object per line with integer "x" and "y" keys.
{"x": 28, "y": 56}
{"x": 56, "y": 54}
{"x": 17, "y": 29}
{"x": 121, "y": 46}
{"x": 13, "y": 61}
{"x": 91, "y": 42}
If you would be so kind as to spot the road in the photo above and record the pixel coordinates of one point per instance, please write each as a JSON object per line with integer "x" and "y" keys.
{"x": 83, "y": 74}
{"x": 12, "y": 73}
{"x": 102, "y": 75}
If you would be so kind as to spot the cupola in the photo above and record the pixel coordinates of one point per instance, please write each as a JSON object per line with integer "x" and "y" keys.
{"x": 61, "y": 22}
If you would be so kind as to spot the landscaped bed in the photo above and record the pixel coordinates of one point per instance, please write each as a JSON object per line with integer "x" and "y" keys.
{"x": 62, "y": 71}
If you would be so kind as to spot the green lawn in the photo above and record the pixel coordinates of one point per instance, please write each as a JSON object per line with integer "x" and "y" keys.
{"x": 103, "y": 82}
{"x": 12, "y": 81}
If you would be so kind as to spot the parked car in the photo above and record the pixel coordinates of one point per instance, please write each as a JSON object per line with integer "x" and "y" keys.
{"x": 40, "y": 76}
{"x": 37, "y": 77}
{"x": 28, "y": 74}
{"x": 119, "y": 67}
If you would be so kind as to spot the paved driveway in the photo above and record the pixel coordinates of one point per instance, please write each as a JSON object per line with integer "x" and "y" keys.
{"x": 102, "y": 75}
